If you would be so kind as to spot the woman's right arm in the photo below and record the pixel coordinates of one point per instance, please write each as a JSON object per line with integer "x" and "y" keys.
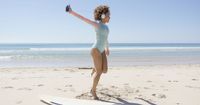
{"x": 81, "y": 17}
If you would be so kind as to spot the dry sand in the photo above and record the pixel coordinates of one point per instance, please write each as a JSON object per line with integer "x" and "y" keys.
{"x": 136, "y": 85}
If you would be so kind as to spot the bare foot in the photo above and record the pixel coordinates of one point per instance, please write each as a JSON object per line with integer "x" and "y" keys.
{"x": 94, "y": 95}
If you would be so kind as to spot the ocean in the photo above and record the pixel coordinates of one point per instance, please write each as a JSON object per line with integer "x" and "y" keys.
{"x": 78, "y": 55}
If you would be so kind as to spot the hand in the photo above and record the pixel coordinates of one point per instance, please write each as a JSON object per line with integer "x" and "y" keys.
{"x": 68, "y": 8}
{"x": 107, "y": 51}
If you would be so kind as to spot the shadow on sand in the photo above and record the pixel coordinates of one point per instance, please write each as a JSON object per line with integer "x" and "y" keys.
{"x": 123, "y": 102}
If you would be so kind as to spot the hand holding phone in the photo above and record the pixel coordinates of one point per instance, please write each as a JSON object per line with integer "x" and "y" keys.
{"x": 68, "y": 8}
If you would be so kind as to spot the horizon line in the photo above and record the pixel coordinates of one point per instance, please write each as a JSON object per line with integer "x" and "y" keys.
{"x": 92, "y": 43}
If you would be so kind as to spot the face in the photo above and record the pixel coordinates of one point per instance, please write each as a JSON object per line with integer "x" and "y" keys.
{"x": 107, "y": 18}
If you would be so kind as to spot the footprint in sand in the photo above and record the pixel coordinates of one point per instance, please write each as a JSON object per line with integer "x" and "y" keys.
{"x": 103, "y": 94}
{"x": 86, "y": 96}
{"x": 64, "y": 90}
{"x": 165, "y": 89}
{"x": 108, "y": 94}
{"x": 15, "y": 78}
{"x": 61, "y": 90}
{"x": 173, "y": 81}
{"x": 128, "y": 89}
{"x": 146, "y": 88}
{"x": 68, "y": 85}
{"x": 70, "y": 88}
{"x": 159, "y": 95}
{"x": 39, "y": 85}
{"x": 55, "y": 70}
{"x": 8, "y": 87}
{"x": 149, "y": 81}
{"x": 194, "y": 79}
{"x": 19, "y": 102}
{"x": 192, "y": 87}
{"x": 137, "y": 91}
{"x": 114, "y": 87}
{"x": 25, "y": 88}
{"x": 67, "y": 69}
{"x": 72, "y": 71}
{"x": 58, "y": 89}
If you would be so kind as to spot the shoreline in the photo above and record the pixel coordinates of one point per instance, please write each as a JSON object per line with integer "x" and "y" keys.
{"x": 113, "y": 66}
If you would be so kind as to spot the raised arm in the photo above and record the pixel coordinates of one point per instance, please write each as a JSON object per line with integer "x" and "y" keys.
{"x": 68, "y": 9}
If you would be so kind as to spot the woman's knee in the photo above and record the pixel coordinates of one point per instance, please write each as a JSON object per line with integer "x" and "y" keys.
{"x": 105, "y": 70}
{"x": 99, "y": 73}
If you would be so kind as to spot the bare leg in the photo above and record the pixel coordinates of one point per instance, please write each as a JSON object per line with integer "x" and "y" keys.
{"x": 97, "y": 59}
{"x": 105, "y": 63}
{"x": 93, "y": 71}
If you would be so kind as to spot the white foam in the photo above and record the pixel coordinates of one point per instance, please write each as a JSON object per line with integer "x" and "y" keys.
{"x": 118, "y": 48}
{"x": 5, "y": 57}
{"x": 155, "y": 48}
{"x": 59, "y": 49}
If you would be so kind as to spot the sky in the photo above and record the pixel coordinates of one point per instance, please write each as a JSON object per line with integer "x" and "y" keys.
{"x": 132, "y": 21}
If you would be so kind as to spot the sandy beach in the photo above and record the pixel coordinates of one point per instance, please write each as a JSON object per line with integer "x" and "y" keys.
{"x": 136, "y": 85}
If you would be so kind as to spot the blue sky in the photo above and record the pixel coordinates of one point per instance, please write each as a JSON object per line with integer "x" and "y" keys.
{"x": 132, "y": 21}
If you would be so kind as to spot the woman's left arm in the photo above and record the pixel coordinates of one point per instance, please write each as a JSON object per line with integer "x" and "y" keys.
{"x": 70, "y": 11}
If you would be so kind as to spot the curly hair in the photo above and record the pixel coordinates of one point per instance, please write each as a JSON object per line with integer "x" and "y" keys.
{"x": 102, "y": 9}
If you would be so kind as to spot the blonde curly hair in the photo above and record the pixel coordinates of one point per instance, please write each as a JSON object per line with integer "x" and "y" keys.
{"x": 99, "y": 11}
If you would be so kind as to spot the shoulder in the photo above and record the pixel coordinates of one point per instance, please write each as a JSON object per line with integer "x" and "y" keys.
{"x": 97, "y": 25}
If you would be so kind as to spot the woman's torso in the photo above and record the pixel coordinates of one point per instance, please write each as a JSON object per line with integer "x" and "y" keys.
{"x": 102, "y": 32}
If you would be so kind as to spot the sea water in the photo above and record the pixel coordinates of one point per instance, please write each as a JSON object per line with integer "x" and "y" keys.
{"x": 78, "y": 55}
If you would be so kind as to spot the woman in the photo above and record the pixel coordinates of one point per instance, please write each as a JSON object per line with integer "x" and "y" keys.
{"x": 100, "y": 49}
